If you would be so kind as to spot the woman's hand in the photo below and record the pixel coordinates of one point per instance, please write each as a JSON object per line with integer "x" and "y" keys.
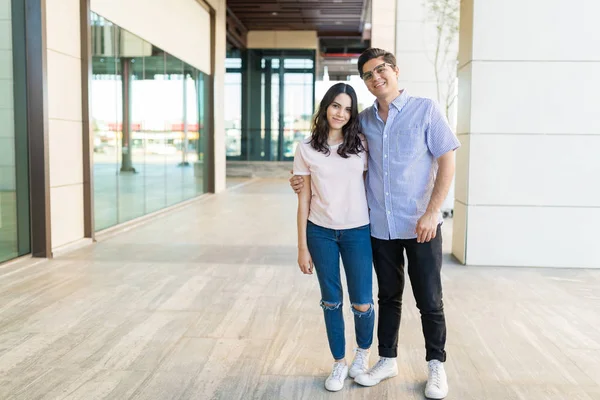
{"x": 305, "y": 262}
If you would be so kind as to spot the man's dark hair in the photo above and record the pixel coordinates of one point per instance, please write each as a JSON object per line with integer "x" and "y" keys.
{"x": 372, "y": 53}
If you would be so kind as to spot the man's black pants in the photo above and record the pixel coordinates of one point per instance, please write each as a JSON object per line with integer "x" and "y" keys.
{"x": 424, "y": 269}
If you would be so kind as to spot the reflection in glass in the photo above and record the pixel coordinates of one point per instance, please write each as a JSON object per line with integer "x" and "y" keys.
{"x": 8, "y": 194}
{"x": 233, "y": 113}
{"x": 106, "y": 116}
{"x": 174, "y": 128}
{"x": 192, "y": 182}
{"x": 153, "y": 126}
{"x": 147, "y": 116}
{"x": 132, "y": 167}
{"x": 8, "y": 203}
{"x": 201, "y": 167}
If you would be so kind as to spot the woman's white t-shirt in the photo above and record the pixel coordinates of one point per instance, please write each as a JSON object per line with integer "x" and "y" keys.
{"x": 338, "y": 198}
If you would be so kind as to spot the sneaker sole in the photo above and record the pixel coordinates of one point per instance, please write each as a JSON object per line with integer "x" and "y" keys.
{"x": 375, "y": 383}
{"x": 336, "y": 390}
{"x": 436, "y": 397}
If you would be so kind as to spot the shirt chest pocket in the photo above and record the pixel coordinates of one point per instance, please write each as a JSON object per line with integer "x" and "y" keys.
{"x": 409, "y": 141}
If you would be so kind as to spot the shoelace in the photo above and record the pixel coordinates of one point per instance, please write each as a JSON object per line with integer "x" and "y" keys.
{"x": 360, "y": 358}
{"x": 380, "y": 364}
{"x": 337, "y": 370}
{"x": 434, "y": 374}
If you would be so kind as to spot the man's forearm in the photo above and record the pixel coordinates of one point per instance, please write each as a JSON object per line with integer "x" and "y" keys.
{"x": 445, "y": 174}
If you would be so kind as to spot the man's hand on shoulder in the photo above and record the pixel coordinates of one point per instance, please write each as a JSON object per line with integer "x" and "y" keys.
{"x": 296, "y": 182}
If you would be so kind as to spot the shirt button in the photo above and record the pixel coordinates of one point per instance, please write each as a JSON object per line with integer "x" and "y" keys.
{"x": 386, "y": 173}
{"x": 389, "y": 212}
{"x": 384, "y": 136}
{"x": 387, "y": 194}
{"x": 385, "y": 156}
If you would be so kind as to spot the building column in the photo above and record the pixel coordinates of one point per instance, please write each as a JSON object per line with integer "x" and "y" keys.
{"x": 39, "y": 77}
{"x": 251, "y": 119}
{"x": 529, "y": 123}
{"x": 281, "y": 138}
{"x": 126, "y": 75}
{"x": 186, "y": 142}
{"x": 267, "y": 114}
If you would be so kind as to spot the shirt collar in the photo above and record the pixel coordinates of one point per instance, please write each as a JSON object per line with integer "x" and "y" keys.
{"x": 398, "y": 102}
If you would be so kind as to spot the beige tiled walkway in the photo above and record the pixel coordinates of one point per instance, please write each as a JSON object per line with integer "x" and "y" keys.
{"x": 207, "y": 303}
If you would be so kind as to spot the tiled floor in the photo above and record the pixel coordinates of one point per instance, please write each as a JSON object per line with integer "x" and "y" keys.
{"x": 207, "y": 303}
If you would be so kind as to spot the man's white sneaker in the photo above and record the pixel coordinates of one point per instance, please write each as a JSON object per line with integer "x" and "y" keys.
{"x": 437, "y": 383}
{"x": 339, "y": 373}
{"x": 360, "y": 364}
{"x": 385, "y": 368}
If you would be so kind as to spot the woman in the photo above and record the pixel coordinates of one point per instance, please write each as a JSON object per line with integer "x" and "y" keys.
{"x": 333, "y": 220}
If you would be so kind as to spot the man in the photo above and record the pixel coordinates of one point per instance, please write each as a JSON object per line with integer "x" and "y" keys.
{"x": 411, "y": 167}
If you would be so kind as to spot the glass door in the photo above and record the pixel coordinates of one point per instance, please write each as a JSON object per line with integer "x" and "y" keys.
{"x": 289, "y": 105}
{"x": 298, "y": 100}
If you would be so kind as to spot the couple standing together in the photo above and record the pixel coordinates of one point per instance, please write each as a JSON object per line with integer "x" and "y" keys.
{"x": 405, "y": 152}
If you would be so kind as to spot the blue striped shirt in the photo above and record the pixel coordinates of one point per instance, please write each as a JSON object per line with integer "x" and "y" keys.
{"x": 403, "y": 165}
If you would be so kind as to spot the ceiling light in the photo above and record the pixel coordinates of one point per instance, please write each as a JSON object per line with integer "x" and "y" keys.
{"x": 274, "y": 13}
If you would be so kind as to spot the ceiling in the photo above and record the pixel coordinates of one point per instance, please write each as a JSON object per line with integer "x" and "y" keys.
{"x": 330, "y": 18}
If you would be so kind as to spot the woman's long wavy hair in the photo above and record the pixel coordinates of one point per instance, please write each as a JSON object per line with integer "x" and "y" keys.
{"x": 320, "y": 126}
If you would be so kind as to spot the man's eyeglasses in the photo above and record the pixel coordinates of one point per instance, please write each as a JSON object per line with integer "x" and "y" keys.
{"x": 380, "y": 69}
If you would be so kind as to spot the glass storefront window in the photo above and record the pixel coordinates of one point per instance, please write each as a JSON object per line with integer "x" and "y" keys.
{"x": 8, "y": 195}
{"x": 106, "y": 112}
{"x": 14, "y": 203}
{"x": 148, "y": 109}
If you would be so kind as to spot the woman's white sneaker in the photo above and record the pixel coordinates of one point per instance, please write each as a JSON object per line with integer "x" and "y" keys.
{"x": 360, "y": 364}
{"x": 335, "y": 380}
{"x": 385, "y": 368}
{"x": 437, "y": 382}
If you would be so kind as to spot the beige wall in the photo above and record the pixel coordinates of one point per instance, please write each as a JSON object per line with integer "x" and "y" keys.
{"x": 282, "y": 40}
{"x": 416, "y": 39}
{"x": 65, "y": 120}
{"x": 526, "y": 191}
{"x": 383, "y": 24}
{"x": 179, "y": 27}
